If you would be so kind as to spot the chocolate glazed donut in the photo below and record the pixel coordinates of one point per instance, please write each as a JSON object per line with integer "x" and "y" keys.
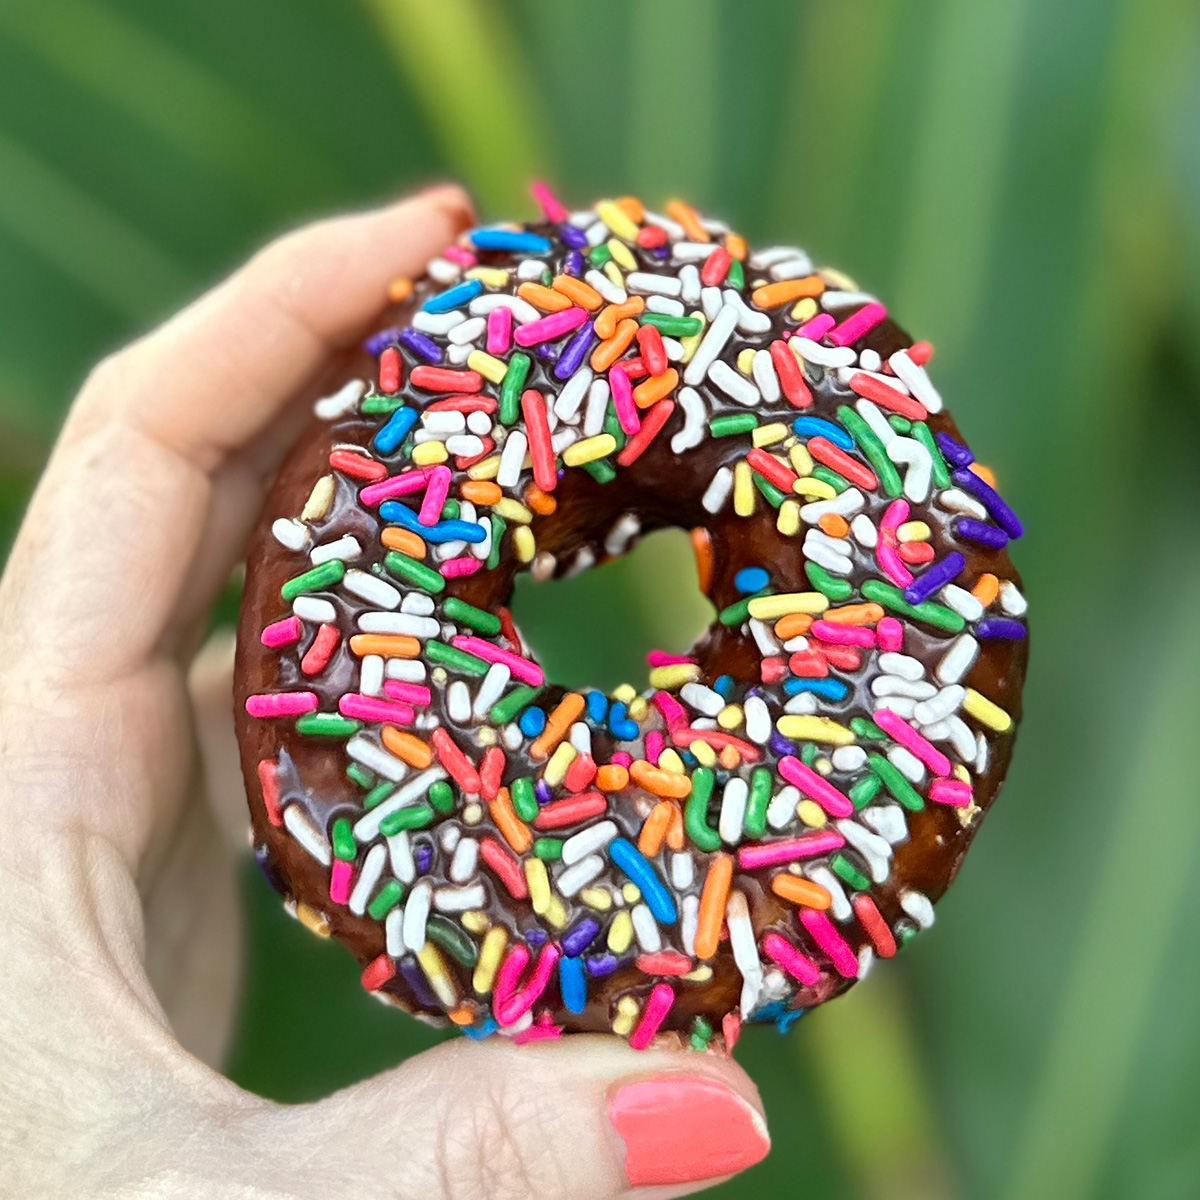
{"x": 787, "y": 800}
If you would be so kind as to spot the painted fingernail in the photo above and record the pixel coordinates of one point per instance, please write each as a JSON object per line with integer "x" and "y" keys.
{"x": 685, "y": 1128}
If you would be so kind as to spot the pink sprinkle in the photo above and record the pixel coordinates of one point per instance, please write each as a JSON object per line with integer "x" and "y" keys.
{"x": 798, "y": 966}
{"x": 731, "y": 1029}
{"x": 435, "y": 496}
{"x": 455, "y": 568}
{"x": 397, "y": 485}
{"x": 816, "y": 786}
{"x": 654, "y": 746}
{"x": 547, "y": 201}
{"x": 662, "y": 996}
{"x": 817, "y": 328}
{"x": 409, "y": 693}
{"x": 950, "y": 791}
{"x": 843, "y": 635}
{"x": 460, "y": 255}
{"x": 499, "y": 331}
{"x": 672, "y": 711}
{"x": 853, "y": 327}
{"x": 281, "y": 704}
{"x": 890, "y": 634}
{"x": 893, "y": 517}
{"x": 510, "y": 1004}
{"x": 368, "y": 708}
{"x": 770, "y": 854}
{"x": 660, "y": 658}
{"x": 821, "y": 930}
{"x": 619, "y": 758}
{"x": 339, "y": 881}
{"x": 281, "y": 633}
{"x": 547, "y": 329}
{"x": 899, "y": 729}
{"x": 622, "y": 398}
{"x": 521, "y": 668}
{"x": 539, "y": 1031}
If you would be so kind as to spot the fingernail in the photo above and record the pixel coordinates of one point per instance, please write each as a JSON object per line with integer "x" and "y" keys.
{"x": 685, "y": 1128}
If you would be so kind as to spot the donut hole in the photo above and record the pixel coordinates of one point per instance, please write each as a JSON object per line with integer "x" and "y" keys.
{"x": 595, "y": 628}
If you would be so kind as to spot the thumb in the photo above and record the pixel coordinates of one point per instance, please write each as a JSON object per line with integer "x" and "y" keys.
{"x": 585, "y": 1117}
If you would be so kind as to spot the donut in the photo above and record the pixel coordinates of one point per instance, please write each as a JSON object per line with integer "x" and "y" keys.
{"x": 786, "y": 800}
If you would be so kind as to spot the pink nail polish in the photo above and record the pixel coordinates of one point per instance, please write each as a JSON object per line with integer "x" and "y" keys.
{"x": 685, "y": 1128}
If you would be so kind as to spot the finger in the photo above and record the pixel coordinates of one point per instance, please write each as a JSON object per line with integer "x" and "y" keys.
{"x": 585, "y": 1117}
{"x": 107, "y": 546}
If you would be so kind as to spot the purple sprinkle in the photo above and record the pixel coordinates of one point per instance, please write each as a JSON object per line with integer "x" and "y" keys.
{"x": 421, "y": 346}
{"x": 579, "y": 937}
{"x": 575, "y": 351}
{"x": 423, "y": 856}
{"x": 955, "y": 453}
{"x": 659, "y": 252}
{"x": 415, "y": 978}
{"x": 548, "y": 352}
{"x": 984, "y": 492}
{"x": 778, "y": 744}
{"x": 541, "y": 789}
{"x": 978, "y": 531}
{"x": 597, "y": 965}
{"x": 573, "y": 262}
{"x": 535, "y": 937}
{"x": 1000, "y": 629}
{"x": 573, "y": 236}
{"x": 377, "y": 343}
{"x": 938, "y": 575}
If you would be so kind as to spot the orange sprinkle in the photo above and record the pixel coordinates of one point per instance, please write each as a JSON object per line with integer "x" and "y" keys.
{"x": 654, "y": 828}
{"x": 565, "y": 714}
{"x": 729, "y": 757}
{"x": 702, "y": 549}
{"x": 578, "y": 292}
{"x": 462, "y": 1015}
{"x": 400, "y": 289}
{"x": 407, "y": 747}
{"x": 390, "y": 645}
{"x": 611, "y": 777}
{"x": 686, "y": 216}
{"x": 481, "y": 491}
{"x": 651, "y": 390}
{"x": 612, "y": 348}
{"x": 793, "y": 625}
{"x": 404, "y": 540}
{"x": 511, "y": 827}
{"x": 775, "y": 295}
{"x": 986, "y": 588}
{"x": 610, "y": 314}
{"x": 985, "y": 473}
{"x": 547, "y": 299}
{"x": 735, "y": 246}
{"x": 853, "y": 614}
{"x": 834, "y": 525}
{"x": 631, "y": 206}
{"x": 541, "y": 502}
{"x": 797, "y": 890}
{"x": 655, "y": 779}
{"x": 712, "y": 905}
{"x": 675, "y": 837}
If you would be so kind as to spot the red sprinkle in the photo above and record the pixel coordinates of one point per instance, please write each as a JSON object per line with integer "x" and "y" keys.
{"x": 390, "y": 370}
{"x": 875, "y": 927}
{"x": 465, "y": 403}
{"x": 505, "y": 867}
{"x": 791, "y": 377}
{"x": 716, "y": 267}
{"x": 654, "y": 418}
{"x": 537, "y": 430}
{"x": 664, "y": 962}
{"x": 771, "y": 469}
{"x": 316, "y": 659}
{"x": 654, "y": 353}
{"x": 444, "y": 379}
{"x": 377, "y": 972}
{"x": 457, "y": 765}
{"x": 824, "y": 451}
{"x": 560, "y": 813}
{"x": 887, "y": 396}
{"x": 651, "y": 236}
{"x": 491, "y": 772}
{"x": 357, "y": 465}
{"x": 268, "y": 781}
{"x": 580, "y": 773}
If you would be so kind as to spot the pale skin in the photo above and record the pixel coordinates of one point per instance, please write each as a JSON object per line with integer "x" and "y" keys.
{"x": 123, "y": 811}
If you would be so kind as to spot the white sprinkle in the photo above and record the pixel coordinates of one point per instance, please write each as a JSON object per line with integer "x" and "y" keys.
{"x": 735, "y": 385}
{"x": 465, "y": 445}
{"x": 459, "y": 899}
{"x": 961, "y": 737}
{"x": 491, "y": 689}
{"x": 339, "y": 403}
{"x": 869, "y": 360}
{"x": 584, "y": 560}
{"x": 865, "y": 533}
{"x": 907, "y": 763}
{"x": 673, "y": 348}
{"x": 848, "y": 758}
{"x": 764, "y": 639}
{"x": 512, "y": 736}
{"x": 848, "y": 502}
{"x": 580, "y": 736}
{"x": 834, "y": 298}
{"x": 458, "y": 355}
{"x": 908, "y": 451}
{"x": 903, "y": 665}
{"x": 345, "y": 548}
{"x": 468, "y": 332}
{"x": 717, "y": 491}
{"x": 917, "y": 905}
{"x": 401, "y": 858}
{"x": 947, "y": 701}
{"x": 694, "y": 413}
{"x": 523, "y": 312}
{"x": 572, "y": 394}
{"x": 307, "y": 833}
{"x": 902, "y": 706}
{"x": 896, "y": 685}
{"x": 580, "y": 874}
{"x": 622, "y": 533}
{"x": 399, "y": 622}
{"x": 876, "y": 420}
{"x": 702, "y": 698}
{"x": 370, "y": 675}
{"x": 689, "y": 917}
{"x": 765, "y": 377}
{"x": 962, "y": 602}
{"x": 442, "y": 270}
{"x": 588, "y": 840}
{"x": 689, "y": 280}
{"x": 367, "y": 826}
{"x": 840, "y": 907}
{"x": 597, "y": 406}
{"x": 466, "y": 857}
{"x": 957, "y": 500}
{"x": 792, "y": 268}
{"x": 749, "y": 320}
{"x": 371, "y": 589}
{"x": 482, "y": 549}
{"x": 745, "y": 952}
{"x": 420, "y": 604}
{"x": 683, "y": 871}
{"x": 479, "y": 422}
{"x": 876, "y": 850}
{"x": 363, "y": 750}
{"x": 713, "y": 342}
{"x": 290, "y": 533}
{"x": 1011, "y": 601}
{"x": 563, "y": 438}
{"x": 664, "y": 304}
{"x": 769, "y": 256}
{"x": 439, "y": 324}
{"x": 675, "y": 231}
{"x": 823, "y": 356}
{"x": 442, "y": 422}
{"x": 758, "y": 720}
{"x": 917, "y": 379}
{"x": 832, "y": 558}
{"x": 888, "y": 821}
{"x": 531, "y": 268}
{"x": 803, "y": 704}
{"x": 606, "y": 287}
{"x": 511, "y": 459}
{"x": 458, "y": 702}
{"x": 416, "y": 914}
{"x": 644, "y": 281}
{"x": 733, "y": 810}
{"x": 691, "y": 252}
{"x": 393, "y": 929}
{"x": 711, "y": 302}
{"x": 313, "y": 608}
{"x": 982, "y": 754}
{"x": 645, "y": 929}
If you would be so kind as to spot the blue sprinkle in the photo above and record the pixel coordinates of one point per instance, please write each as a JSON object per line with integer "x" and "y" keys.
{"x": 477, "y": 1032}
{"x": 631, "y": 862}
{"x": 619, "y": 726}
{"x": 395, "y": 430}
{"x": 597, "y": 706}
{"x": 421, "y": 346}
{"x": 532, "y": 721}
{"x": 572, "y": 984}
{"x": 830, "y": 689}
{"x": 443, "y": 531}
{"x": 509, "y": 239}
{"x": 816, "y": 427}
{"x": 780, "y": 1012}
{"x": 455, "y": 297}
{"x": 723, "y": 686}
{"x": 751, "y": 579}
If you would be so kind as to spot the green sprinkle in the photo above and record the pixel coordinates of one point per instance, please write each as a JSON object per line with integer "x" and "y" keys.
{"x": 731, "y": 424}
{"x": 455, "y": 659}
{"x": 892, "y": 598}
{"x": 601, "y": 470}
{"x": 900, "y": 424}
{"x": 322, "y": 724}
{"x": 441, "y": 796}
{"x": 524, "y": 801}
{"x": 359, "y": 774}
{"x": 678, "y": 327}
{"x": 755, "y": 820}
{"x": 380, "y": 404}
{"x": 905, "y": 934}
{"x": 700, "y": 1034}
{"x": 510, "y": 387}
{"x": 548, "y": 848}
{"x": 773, "y": 496}
{"x": 864, "y": 791}
{"x": 695, "y": 811}
{"x": 836, "y": 589}
{"x": 505, "y": 709}
{"x": 941, "y": 474}
{"x": 831, "y": 477}
{"x": 735, "y": 278}
{"x": 386, "y": 899}
{"x": 467, "y": 614}
{"x": 411, "y": 816}
{"x": 314, "y": 580}
{"x": 613, "y": 426}
{"x": 599, "y": 255}
{"x": 738, "y": 611}
{"x": 866, "y": 731}
{"x": 808, "y": 754}
{"x": 378, "y": 794}
{"x": 873, "y": 448}
{"x": 450, "y": 510}
{"x": 896, "y": 784}
{"x": 456, "y": 942}
{"x": 342, "y": 838}
{"x": 411, "y": 571}
{"x": 498, "y": 528}
{"x": 845, "y": 870}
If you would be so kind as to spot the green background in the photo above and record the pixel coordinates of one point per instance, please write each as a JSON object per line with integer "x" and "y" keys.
{"x": 1020, "y": 180}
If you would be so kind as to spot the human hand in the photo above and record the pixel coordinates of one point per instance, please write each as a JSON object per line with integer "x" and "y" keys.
{"x": 118, "y": 928}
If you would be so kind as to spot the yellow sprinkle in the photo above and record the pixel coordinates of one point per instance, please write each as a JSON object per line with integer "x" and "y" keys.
{"x": 539, "y": 885}
{"x": 597, "y": 898}
{"x": 811, "y": 814}
{"x": 613, "y": 272}
{"x": 563, "y": 756}
{"x": 620, "y": 933}
{"x": 556, "y": 913}
{"x": 434, "y": 966}
{"x": 690, "y": 342}
{"x": 473, "y": 813}
{"x": 617, "y": 221}
{"x": 768, "y": 435}
{"x": 313, "y": 921}
{"x": 631, "y": 893}
{"x": 704, "y": 754}
{"x": 822, "y": 766}
{"x": 589, "y": 449}
{"x": 429, "y": 453}
{"x": 788, "y": 520}
{"x": 475, "y": 921}
{"x": 745, "y": 360}
{"x": 319, "y": 499}
{"x": 743, "y": 490}
{"x": 486, "y": 736}
{"x": 985, "y": 712}
{"x": 624, "y": 693}
{"x": 674, "y": 676}
{"x": 837, "y": 279}
{"x": 490, "y": 953}
{"x": 512, "y": 510}
{"x": 492, "y": 277}
{"x": 627, "y": 1013}
{"x": 524, "y": 543}
{"x": 802, "y": 462}
{"x": 805, "y": 309}
{"x": 486, "y": 468}
{"x": 913, "y": 531}
{"x": 639, "y": 706}
{"x": 768, "y": 608}
{"x": 814, "y": 729}
{"x": 702, "y": 974}
{"x": 490, "y": 368}
{"x": 621, "y": 255}
{"x": 730, "y": 717}
{"x": 669, "y": 760}
{"x": 817, "y": 489}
